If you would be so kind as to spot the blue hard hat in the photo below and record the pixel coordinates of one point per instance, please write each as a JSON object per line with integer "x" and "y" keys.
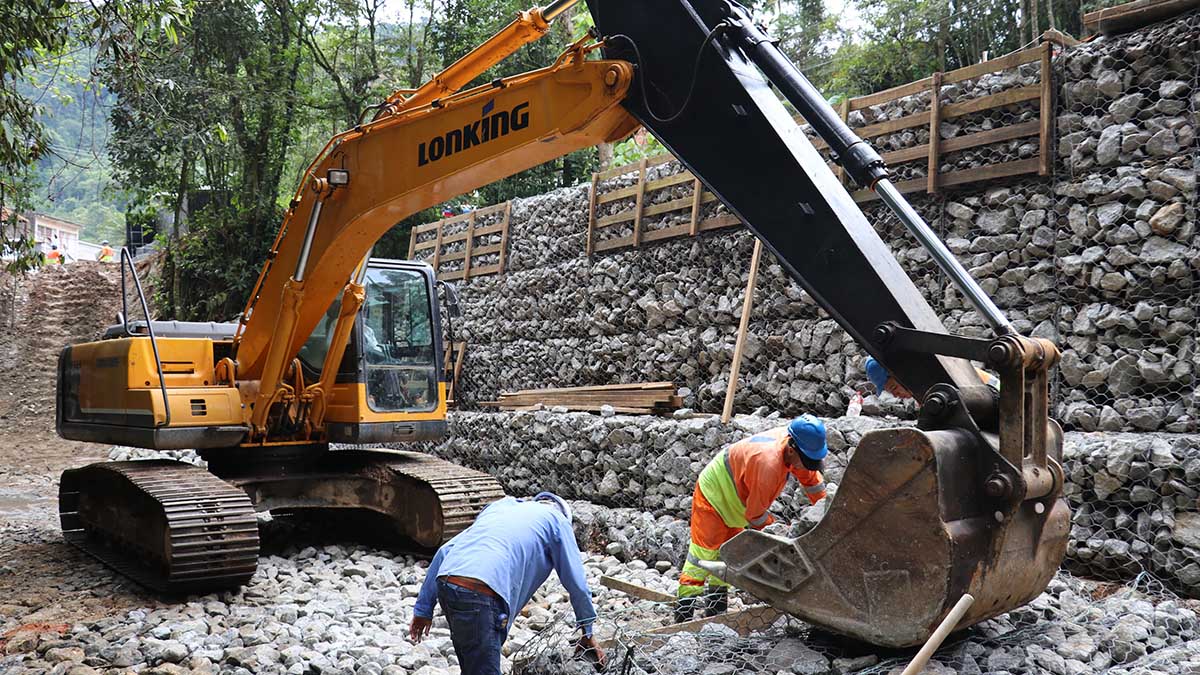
{"x": 809, "y": 434}
{"x": 554, "y": 500}
{"x": 876, "y": 373}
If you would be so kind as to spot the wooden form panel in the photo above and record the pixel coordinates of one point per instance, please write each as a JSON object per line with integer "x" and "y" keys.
{"x": 451, "y": 234}
{"x": 642, "y": 193}
{"x": 932, "y": 152}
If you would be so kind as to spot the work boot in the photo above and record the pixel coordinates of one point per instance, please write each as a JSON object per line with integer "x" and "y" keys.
{"x": 716, "y": 601}
{"x": 685, "y": 609}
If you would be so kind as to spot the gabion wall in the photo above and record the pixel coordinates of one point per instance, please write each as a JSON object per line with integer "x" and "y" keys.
{"x": 1133, "y": 496}
{"x": 1101, "y": 257}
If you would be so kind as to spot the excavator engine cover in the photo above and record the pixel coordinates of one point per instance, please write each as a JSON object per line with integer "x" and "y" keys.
{"x": 904, "y": 538}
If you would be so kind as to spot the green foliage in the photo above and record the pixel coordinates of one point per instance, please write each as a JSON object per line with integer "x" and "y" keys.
{"x": 29, "y": 30}
{"x": 213, "y": 260}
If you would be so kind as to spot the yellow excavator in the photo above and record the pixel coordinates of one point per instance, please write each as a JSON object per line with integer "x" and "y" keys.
{"x": 334, "y": 346}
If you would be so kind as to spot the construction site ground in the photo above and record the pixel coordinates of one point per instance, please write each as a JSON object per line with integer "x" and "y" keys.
{"x": 325, "y": 602}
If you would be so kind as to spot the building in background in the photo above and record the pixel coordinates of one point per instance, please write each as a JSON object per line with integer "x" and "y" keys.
{"x": 51, "y": 231}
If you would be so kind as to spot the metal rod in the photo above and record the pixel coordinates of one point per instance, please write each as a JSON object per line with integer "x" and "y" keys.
{"x": 944, "y": 258}
{"x": 306, "y": 248}
{"x": 553, "y": 10}
{"x": 944, "y": 628}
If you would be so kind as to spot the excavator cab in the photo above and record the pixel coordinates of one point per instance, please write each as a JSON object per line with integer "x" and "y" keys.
{"x": 388, "y": 387}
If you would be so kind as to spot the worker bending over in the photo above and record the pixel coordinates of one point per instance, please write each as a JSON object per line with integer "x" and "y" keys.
{"x": 485, "y": 575}
{"x": 106, "y": 252}
{"x": 736, "y": 491}
{"x": 883, "y": 380}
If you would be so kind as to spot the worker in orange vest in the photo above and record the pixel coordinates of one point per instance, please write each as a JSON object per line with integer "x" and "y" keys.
{"x": 106, "y": 253}
{"x": 735, "y": 491}
{"x": 55, "y": 256}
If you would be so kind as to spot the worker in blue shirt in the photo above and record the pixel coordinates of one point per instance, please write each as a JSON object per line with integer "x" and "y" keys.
{"x": 484, "y": 577}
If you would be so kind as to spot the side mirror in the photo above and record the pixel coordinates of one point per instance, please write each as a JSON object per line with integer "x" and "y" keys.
{"x": 450, "y": 299}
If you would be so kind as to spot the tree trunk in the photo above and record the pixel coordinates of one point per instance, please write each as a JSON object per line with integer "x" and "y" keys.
{"x": 1033, "y": 16}
{"x": 606, "y": 156}
{"x": 177, "y": 228}
{"x": 1050, "y": 14}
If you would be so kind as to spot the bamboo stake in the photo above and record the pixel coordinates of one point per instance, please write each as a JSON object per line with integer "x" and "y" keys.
{"x": 747, "y": 305}
{"x": 931, "y": 645}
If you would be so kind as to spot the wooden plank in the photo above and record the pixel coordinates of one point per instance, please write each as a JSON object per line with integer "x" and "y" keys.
{"x": 591, "y": 230}
{"x": 904, "y": 186}
{"x": 697, "y": 195}
{"x": 667, "y": 207}
{"x": 963, "y": 142}
{"x": 674, "y": 179}
{"x": 619, "y": 170}
{"x": 1134, "y": 14}
{"x": 504, "y": 223}
{"x": 1059, "y": 38}
{"x": 716, "y": 223}
{"x": 636, "y": 386}
{"x": 743, "y": 328}
{"x": 470, "y": 245}
{"x": 451, "y": 257}
{"x": 437, "y": 252}
{"x": 489, "y": 210}
{"x": 486, "y": 269}
{"x": 490, "y": 229}
{"x": 1046, "y": 112}
{"x": 451, "y": 238}
{"x": 659, "y": 159}
{"x": 889, "y": 94}
{"x": 641, "y": 199}
{"x": 614, "y": 218}
{"x": 427, "y": 227}
{"x": 635, "y": 590}
{"x": 459, "y": 352}
{"x": 992, "y": 171}
{"x": 412, "y": 243}
{"x": 993, "y": 66}
{"x": 430, "y": 243}
{"x": 455, "y": 275}
{"x": 616, "y": 242}
{"x": 620, "y": 193}
{"x": 1006, "y": 97}
{"x": 485, "y": 250}
{"x": 935, "y": 133}
{"x": 667, "y": 233}
{"x": 891, "y": 126}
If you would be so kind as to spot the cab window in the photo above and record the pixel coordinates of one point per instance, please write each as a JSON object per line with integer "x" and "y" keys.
{"x": 397, "y": 342}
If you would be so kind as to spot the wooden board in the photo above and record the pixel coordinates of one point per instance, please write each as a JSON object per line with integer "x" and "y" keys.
{"x": 640, "y": 592}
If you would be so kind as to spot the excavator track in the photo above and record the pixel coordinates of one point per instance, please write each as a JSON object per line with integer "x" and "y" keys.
{"x": 462, "y": 492}
{"x": 170, "y": 526}
{"x": 429, "y": 500}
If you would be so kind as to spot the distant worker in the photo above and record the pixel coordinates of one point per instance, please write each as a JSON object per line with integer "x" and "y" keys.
{"x": 883, "y": 380}
{"x": 484, "y": 577}
{"x": 735, "y": 491}
{"x": 55, "y": 256}
{"x": 106, "y": 252}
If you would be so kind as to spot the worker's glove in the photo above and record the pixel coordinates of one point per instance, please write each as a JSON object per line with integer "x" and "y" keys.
{"x": 586, "y": 647}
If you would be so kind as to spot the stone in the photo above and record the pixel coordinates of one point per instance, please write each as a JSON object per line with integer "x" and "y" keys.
{"x": 793, "y": 655}
{"x": 1160, "y": 251}
{"x": 1126, "y": 107}
{"x": 1187, "y": 530}
{"x": 1166, "y": 219}
{"x": 60, "y": 654}
{"x": 1108, "y": 150}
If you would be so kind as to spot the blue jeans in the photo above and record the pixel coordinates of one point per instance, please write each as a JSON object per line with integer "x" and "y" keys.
{"x": 478, "y": 627}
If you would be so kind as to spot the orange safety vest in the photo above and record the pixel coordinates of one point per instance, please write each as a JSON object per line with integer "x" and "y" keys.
{"x": 55, "y": 257}
{"x": 744, "y": 480}
{"x": 106, "y": 254}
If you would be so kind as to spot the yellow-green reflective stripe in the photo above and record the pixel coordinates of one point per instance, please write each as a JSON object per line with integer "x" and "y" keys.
{"x": 716, "y": 483}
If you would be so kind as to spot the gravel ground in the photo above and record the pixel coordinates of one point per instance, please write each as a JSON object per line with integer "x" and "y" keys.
{"x": 318, "y": 605}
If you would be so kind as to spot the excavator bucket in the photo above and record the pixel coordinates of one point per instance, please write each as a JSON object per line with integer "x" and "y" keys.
{"x": 903, "y": 539}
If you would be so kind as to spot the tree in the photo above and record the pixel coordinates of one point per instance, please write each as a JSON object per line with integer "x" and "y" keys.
{"x": 222, "y": 158}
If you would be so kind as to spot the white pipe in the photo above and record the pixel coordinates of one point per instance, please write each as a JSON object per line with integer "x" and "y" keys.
{"x": 939, "y": 635}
